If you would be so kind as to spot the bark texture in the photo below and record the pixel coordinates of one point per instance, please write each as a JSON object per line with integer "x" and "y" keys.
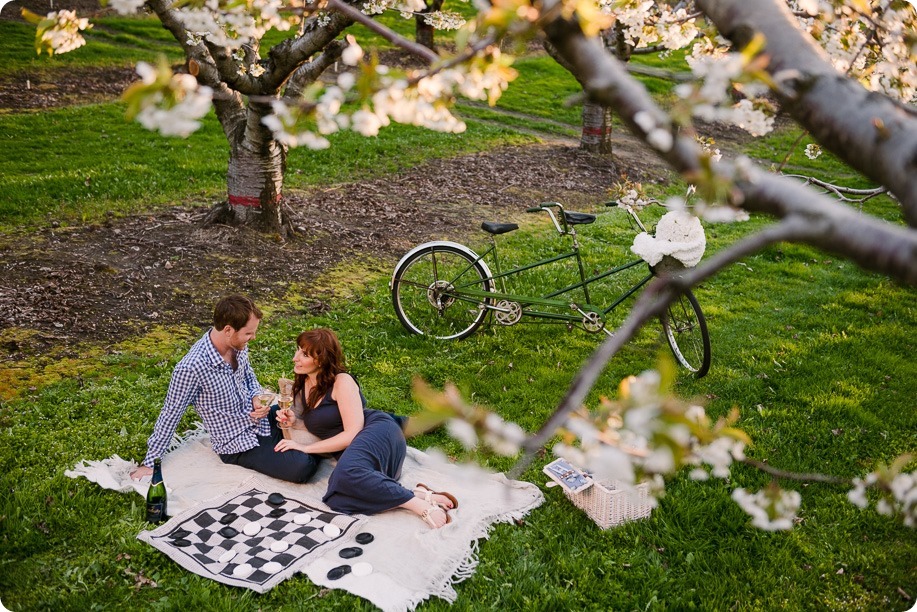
{"x": 255, "y": 173}
{"x": 423, "y": 32}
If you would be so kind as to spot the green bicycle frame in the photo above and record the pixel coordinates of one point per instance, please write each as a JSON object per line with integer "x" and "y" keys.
{"x": 468, "y": 292}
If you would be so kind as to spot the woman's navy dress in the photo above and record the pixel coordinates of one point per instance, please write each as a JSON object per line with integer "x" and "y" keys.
{"x": 365, "y": 480}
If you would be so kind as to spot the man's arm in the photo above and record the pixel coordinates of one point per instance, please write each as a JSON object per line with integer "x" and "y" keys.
{"x": 183, "y": 391}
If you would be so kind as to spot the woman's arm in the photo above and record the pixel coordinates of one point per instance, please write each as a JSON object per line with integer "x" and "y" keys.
{"x": 347, "y": 395}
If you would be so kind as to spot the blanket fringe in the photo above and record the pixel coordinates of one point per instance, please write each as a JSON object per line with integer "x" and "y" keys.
{"x": 196, "y": 433}
{"x": 444, "y": 585}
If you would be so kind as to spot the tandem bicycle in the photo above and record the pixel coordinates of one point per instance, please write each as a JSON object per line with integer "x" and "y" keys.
{"x": 445, "y": 290}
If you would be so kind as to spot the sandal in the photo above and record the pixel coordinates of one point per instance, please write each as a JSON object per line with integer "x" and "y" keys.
{"x": 426, "y": 493}
{"x": 427, "y": 516}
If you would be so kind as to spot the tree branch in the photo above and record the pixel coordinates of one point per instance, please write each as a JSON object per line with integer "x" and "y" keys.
{"x": 226, "y": 102}
{"x": 660, "y": 292}
{"x": 869, "y": 131}
{"x": 420, "y": 51}
{"x": 310, "y": 71}
{"x": 874, "y": 244}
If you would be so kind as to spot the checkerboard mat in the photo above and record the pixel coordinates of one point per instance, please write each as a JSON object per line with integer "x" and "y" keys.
{"x": 198, "y": 540}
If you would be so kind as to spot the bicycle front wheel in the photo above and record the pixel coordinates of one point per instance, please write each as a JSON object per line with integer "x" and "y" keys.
{"x": 686, "y": 331}
{"x": 429, "y": 290}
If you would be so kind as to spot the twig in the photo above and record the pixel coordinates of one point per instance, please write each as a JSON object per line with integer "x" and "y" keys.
{"x": 392, "y": 37}
{"x": 795, "y": 475}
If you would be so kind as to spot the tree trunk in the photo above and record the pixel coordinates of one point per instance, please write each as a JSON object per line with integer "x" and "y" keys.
{"x": 596, "y": 136}
{"x": 254, "y": 178}
{"x": 423, "y": 33}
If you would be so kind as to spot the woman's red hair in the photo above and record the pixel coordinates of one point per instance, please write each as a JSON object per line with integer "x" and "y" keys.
{"x": 323, "y": 346}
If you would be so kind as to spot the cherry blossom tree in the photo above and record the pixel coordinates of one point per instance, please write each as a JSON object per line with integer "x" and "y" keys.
{"x": 841, "y": 69}
{"x": 228, "y": 70}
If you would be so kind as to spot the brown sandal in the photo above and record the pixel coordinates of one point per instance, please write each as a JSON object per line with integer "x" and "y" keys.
{"x": 426, "y": 493}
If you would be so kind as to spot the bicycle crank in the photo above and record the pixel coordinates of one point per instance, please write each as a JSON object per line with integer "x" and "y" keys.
{"x": 507, "y": 313}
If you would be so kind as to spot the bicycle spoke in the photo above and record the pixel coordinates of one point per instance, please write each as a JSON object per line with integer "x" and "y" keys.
{"x": 427, "y": 292}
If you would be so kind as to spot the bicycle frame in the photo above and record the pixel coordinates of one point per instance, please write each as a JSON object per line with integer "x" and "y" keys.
{"x": 580, "y": 311}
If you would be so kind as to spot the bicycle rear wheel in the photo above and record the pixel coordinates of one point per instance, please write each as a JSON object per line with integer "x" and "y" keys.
{"x": 686, "y": 331}
{"x": 427, "y": 290}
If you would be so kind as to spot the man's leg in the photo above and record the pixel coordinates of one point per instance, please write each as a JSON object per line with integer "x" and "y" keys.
{"x": 292, "y": 466}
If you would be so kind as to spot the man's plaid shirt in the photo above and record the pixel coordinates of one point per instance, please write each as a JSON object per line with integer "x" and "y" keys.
{"x": 221, "y": 396}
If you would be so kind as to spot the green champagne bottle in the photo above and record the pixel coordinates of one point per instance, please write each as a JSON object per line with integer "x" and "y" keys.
{"x": 156, "y": 496}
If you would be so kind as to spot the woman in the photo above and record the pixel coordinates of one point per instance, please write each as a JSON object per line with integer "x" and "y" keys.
{"x": 369, "y": 444}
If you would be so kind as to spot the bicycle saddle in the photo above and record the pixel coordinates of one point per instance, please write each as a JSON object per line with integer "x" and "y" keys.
{"x": 575, "y": 218}
{"x": 498, "y": 228}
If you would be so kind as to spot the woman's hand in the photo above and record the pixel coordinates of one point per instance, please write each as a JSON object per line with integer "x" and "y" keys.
{"x": 285, "y": 418}
{"x": 285, "y": 445}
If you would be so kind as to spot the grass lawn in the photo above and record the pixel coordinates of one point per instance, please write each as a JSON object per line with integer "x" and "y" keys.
{"x": 816, "y": 354}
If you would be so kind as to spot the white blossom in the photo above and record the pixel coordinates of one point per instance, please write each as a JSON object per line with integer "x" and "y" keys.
{"x": 352, "y": 54}
{"x": 771, "y": 510}
{"x": 126, "y": 7}
{"x": 283, "y": 125}
{"x": 857, "y": 495}
{"x": 720, "y": 454}
{"x": 64, "y": 34}
{"x": 346, "y": 80}
{"x": 463, "y": 431}
{"x": 813, "y": 151}
{"x": 443, "y": 20}
{"x": 182, "y": 118}
{"x": 365, "y": 122}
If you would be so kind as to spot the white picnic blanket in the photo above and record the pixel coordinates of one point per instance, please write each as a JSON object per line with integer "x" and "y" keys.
{"x": 410, "y": 561}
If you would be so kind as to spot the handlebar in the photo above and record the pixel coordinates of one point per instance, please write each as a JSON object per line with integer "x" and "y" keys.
{"x": 546, "y": 207}
{"x": 631, "y": 211}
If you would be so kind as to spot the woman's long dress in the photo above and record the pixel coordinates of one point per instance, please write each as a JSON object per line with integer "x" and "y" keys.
{"x": 365, "y": 479}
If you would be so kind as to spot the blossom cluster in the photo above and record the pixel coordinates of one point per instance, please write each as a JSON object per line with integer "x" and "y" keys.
{"x": 444, "y": 20}
{"x": 771, "y": 509}
{"x": 473, "y": 426}
{"x": 709, "y": 96}
{"x": 233, "y": 24}
{"x": 645, "y": 23}
{"x": 406, "y": 8}
{"x": 417, "y": 98}
{"x": 126, "y": 7}
{"x": 58, "y": 32}
{"x": 898, "y": 492}
{"x": 873, "y": 41}
{"x": 171, "y": 104}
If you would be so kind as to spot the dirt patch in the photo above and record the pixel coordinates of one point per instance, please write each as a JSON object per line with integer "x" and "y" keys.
{"x": 104, "y": 282}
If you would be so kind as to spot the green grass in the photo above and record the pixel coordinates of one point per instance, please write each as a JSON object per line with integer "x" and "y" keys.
{"x": 816, "y": 355}
{"x": 821, "y": 372}
{"x": 61, "y": 165}
{"x": 111, "y": 42}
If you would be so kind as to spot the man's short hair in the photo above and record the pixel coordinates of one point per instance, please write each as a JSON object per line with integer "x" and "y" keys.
{"x": 234, "y": 311}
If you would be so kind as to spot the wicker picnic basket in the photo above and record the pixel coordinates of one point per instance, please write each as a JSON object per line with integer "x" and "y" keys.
{"x": 610, "y": 503}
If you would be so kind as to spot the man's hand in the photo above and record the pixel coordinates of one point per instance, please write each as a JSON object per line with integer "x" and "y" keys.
{"x": 141, "y": 471}
{"x": 258, "y": 412}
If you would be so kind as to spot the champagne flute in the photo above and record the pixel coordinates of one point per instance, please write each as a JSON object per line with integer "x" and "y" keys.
{"x": 286, "y": 404}
{"x": 264, "y": 399}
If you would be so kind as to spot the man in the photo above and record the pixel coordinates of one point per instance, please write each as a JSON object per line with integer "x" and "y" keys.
{"x": 217, "y": 379}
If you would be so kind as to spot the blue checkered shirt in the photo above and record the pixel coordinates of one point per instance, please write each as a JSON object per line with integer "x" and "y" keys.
{"x": 221, "y": 396}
